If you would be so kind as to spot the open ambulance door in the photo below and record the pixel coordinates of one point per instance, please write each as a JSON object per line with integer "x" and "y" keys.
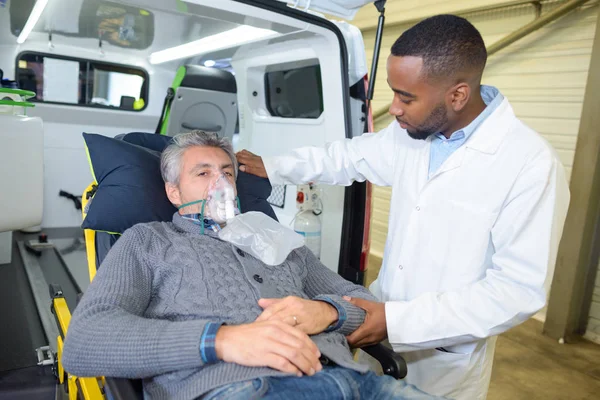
{"x": 306, "y": 86}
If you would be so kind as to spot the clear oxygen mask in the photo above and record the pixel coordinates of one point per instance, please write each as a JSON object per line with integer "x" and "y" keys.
{"x": 221, "y": 202}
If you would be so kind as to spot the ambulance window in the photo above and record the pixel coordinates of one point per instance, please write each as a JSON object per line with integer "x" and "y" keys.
{"x": 295, "y": 93}
{"x": 70, "y": 81}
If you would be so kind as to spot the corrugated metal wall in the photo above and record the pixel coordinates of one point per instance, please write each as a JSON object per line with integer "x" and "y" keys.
{"x": 543, "y": 75}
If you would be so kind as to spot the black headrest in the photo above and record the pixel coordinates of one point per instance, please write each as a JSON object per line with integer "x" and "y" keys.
{"x": 199, "y": 77}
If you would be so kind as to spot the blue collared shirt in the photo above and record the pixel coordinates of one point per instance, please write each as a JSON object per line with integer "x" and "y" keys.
{"x": 442, "y": 148}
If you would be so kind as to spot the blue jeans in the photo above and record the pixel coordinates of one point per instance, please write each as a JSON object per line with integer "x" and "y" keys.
{"x": 332, "y": 383}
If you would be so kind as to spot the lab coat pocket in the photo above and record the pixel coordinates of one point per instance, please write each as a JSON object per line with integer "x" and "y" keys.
{"x": 457, "y": 371}
{"x": 468, "y": 229}
{"x": 438, "y": 372}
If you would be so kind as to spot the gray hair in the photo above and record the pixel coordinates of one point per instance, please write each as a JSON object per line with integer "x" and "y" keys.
{"x": 170, "y": 161}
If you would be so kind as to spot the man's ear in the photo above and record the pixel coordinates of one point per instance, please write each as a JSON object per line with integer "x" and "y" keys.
{"x": 173, "y": 193}
{"x": 460, "y": 95}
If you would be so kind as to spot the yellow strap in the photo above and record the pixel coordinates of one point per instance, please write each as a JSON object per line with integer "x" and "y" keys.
{"x": 87, "y": 153}
{"x": 90, "y": 247}
{"x": 90, "y": 236}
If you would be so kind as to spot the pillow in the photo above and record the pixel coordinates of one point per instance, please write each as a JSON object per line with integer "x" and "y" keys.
{"x": 253, "y": 193}
{"x": 150, "y": 141}
{"x": 130, "y": 187}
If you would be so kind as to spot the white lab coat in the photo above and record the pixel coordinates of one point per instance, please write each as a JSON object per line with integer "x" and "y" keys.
{"x": 467, "y": 251}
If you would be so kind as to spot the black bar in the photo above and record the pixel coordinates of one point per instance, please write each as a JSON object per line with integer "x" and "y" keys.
{"x": 392, "y": 363}
{"x": 381, "y": 7}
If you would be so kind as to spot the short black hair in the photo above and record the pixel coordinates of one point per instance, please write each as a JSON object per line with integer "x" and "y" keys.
{"x": 449, "y": 45}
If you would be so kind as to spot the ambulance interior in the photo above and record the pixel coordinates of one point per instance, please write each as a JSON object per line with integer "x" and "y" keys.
{"x": 268, "y": 75}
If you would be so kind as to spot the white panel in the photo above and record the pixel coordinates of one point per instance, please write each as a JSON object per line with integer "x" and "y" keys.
{"x": 340, "y": 8}
{"x": 267, "y": 135}
{"x": 21, "y": 171}
{"x": 58, "y": 175}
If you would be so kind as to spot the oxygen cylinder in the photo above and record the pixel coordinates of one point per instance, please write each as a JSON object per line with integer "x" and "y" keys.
{"x": 307, "y": 222}
{"x": 308, "y": 225}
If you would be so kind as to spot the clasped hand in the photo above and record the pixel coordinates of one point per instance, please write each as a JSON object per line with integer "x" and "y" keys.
{"x": 309, "y": 316}
{"x": 279, "y": 337}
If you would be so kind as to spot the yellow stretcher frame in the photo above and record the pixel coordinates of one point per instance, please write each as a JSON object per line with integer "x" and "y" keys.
{"x": 77, "y": 387}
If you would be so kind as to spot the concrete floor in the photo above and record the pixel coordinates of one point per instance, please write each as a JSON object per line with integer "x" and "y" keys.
{"x": 530, "y": 366}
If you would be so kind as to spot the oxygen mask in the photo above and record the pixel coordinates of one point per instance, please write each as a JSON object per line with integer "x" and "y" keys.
{"x": 221, "y": 202}
{"x": 218, "y": 206}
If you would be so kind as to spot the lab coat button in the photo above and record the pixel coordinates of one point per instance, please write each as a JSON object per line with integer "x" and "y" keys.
{"x": 418, "y": 208}
{"x": 400, "y": 267}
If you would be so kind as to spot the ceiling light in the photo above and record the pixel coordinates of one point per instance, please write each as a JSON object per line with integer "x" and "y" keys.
{"x": 34, "y": 17}
{"x": 234, "y": 37}
{"x": 210, "y": 63}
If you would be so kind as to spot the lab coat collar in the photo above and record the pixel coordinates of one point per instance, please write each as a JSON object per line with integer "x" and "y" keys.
{"x": 486, "y": 138}
{"x": 489, "y": 135}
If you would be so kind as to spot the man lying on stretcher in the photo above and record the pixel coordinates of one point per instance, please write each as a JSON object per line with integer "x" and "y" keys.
{"x": 180, "y": 305}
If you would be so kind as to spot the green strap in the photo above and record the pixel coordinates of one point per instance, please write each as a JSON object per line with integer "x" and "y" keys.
{"x": 191, "y": 203}
{"x": 237, "y": 200}
{"x": 202, "y": 218}
{"x": 16, "y": 103}
{"x": 89, "y": 158}
{"x": 23, "y": 93}
{"x": 176, "y": 84}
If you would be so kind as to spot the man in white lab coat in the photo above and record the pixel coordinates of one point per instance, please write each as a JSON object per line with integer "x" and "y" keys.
{"x": 478, "y": 205}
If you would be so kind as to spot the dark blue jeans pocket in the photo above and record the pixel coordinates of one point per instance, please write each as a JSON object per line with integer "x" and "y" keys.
{"x": 246, "y": 390}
